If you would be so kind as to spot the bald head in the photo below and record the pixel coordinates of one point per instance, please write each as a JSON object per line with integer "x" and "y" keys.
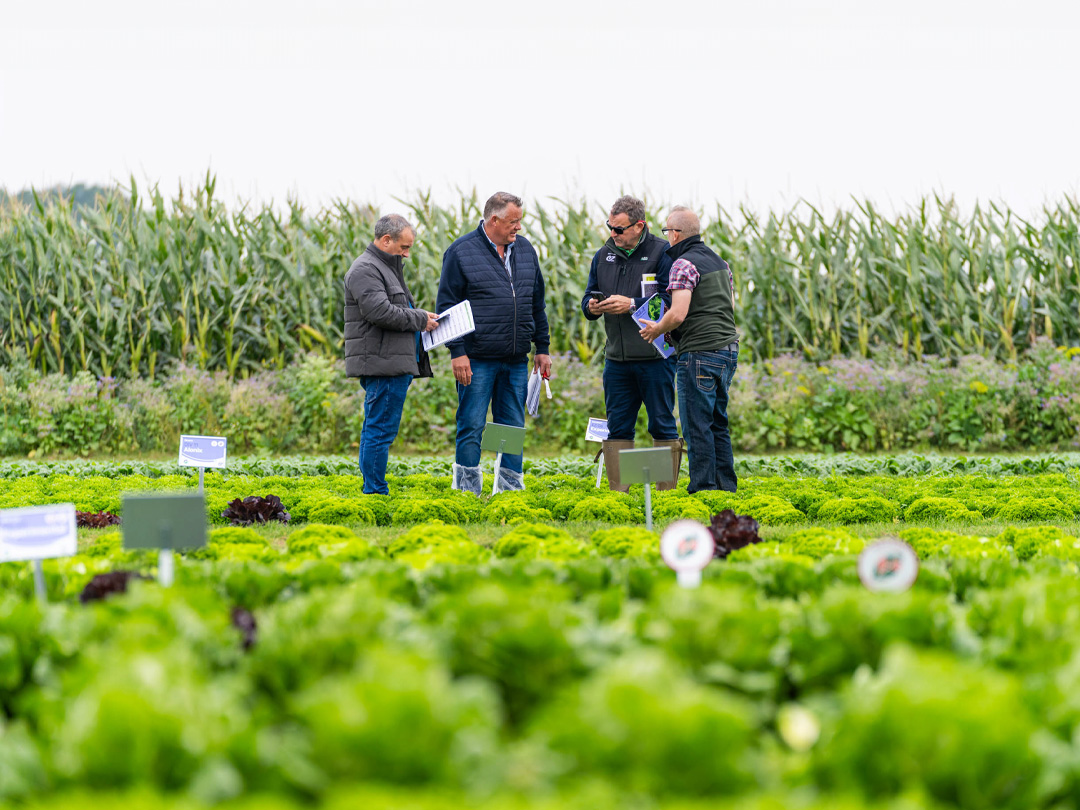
{"x": 685, "y": 220}
{"x": 682, "y": 223}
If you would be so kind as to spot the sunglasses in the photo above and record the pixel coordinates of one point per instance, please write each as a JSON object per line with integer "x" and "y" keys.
{"x": 621, "y": 229}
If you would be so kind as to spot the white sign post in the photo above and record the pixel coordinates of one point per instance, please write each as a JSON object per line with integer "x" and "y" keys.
{"x": 597, "y": 431}
{"x": 889, "y": 565}
{"x": 38, "y": 533}
{"x": 203, "y": 452}
{"x": 687, "y": 547}
{"x": 502, "y": 439}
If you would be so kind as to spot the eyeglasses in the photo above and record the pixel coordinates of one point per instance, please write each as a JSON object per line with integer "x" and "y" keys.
{"x": 666, "y": 231}
{"x": 621, "y": 229}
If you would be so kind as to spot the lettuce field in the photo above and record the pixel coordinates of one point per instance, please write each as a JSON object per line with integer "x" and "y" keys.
{"x": 430, "y": 650}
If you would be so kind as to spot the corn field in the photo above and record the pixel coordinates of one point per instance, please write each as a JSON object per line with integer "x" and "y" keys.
{"x": 135, "y": 284}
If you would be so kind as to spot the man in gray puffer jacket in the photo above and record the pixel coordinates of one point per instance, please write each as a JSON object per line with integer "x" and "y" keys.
{"x": 382, "y": 341}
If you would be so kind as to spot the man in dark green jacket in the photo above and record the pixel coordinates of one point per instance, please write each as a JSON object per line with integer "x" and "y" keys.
{"x": 382, "y": 341}
{"x": 701, "y": 321}
{"x": 635, "y": 373}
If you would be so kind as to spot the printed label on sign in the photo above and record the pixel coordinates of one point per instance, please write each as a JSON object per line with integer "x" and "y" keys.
{"x": 37, "y": 532}
{"x": 687, "y": 545}
{"x": 202, "y": 451}
{"x": 597, "y": 431}
{"x": 889, "y": 565}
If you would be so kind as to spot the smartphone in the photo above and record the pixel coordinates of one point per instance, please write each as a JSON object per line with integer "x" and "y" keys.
{"x": 596, "y": 295}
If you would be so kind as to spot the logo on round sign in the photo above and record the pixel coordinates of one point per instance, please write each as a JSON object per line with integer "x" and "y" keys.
{"x": 889, "y": 565}
{"x": 687, "y": 545}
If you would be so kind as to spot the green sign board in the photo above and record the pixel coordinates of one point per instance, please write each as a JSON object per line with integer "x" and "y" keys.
{"x": 503, "y": 439}
{"x": 653, "y": 465}
{"x": 165, "y": 521}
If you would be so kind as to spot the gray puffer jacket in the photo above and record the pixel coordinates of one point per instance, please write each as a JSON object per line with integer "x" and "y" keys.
{"x": 380, "y": 325}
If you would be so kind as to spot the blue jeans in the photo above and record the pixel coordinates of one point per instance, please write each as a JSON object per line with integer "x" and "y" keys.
{"x": 502, "y": 385}
{"x": 629, "y": 384}
{"x": 384, "y": 399}
{"x": 704, "y": 379}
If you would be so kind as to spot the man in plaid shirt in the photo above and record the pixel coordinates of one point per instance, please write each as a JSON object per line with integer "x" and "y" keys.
{"x": 701, "y": 323}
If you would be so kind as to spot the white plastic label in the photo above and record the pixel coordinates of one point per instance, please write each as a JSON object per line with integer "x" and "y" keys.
{"x": 203, "y": 451}
{"x": 37, "y": 532}
{"x": 597, "y": 431}
{"x": 686, "y": 546}
{"x": 889, "y": 565}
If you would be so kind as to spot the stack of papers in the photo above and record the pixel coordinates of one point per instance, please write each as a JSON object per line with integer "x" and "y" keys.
{"x": 649, "y": 285}
{"x": 532, "y": 394}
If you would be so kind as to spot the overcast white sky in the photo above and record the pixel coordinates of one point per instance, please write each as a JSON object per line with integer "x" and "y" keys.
{"x": 697, "y": 102}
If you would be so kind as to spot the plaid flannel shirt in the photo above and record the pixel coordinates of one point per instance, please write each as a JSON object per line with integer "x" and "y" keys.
{"x": 684, "y": 276}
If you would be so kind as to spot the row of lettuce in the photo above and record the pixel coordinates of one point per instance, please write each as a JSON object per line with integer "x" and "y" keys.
{"x": 809, "y": 465}
{"x": 789, "y": 564}
{"x": 526, "y": 678}
{"x": 417, "y": 498}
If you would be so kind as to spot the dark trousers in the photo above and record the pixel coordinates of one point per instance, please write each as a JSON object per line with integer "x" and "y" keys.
{"x": 628, "y": 385}
{"x": 704, "y": 379}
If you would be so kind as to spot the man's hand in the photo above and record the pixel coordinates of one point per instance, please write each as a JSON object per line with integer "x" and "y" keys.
{"x": 462, "y": 369}
{"x": 650, "y": 331}
{"x": 616, "y": 305}
{"x": 594, "y": 307}
{"x": 542, "y": 363}
{"x": 432, "y": 321}
{"x": 672, "y": 320}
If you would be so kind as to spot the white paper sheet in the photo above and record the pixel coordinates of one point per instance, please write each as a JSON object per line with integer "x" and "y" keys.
{"x": 454, "y": 323}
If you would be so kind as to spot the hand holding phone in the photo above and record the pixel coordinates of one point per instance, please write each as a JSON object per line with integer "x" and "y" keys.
{"x": 596, "y": 298}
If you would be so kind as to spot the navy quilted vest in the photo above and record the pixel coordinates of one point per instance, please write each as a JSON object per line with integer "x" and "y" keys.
{"x": 509, "y": 316}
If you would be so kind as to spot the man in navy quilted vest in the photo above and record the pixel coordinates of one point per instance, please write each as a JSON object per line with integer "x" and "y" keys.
{"x": 499, "y": 273}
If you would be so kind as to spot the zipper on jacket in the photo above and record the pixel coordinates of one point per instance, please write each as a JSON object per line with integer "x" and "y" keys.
{"x": 624, "y": 265}
{"x": 513, "y": 295}
{"x": 513, "y": 292}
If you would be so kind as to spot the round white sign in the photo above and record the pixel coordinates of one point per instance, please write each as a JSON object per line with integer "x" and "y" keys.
{"x": 687, "y": 545}
{"x": 889, "y": 565}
